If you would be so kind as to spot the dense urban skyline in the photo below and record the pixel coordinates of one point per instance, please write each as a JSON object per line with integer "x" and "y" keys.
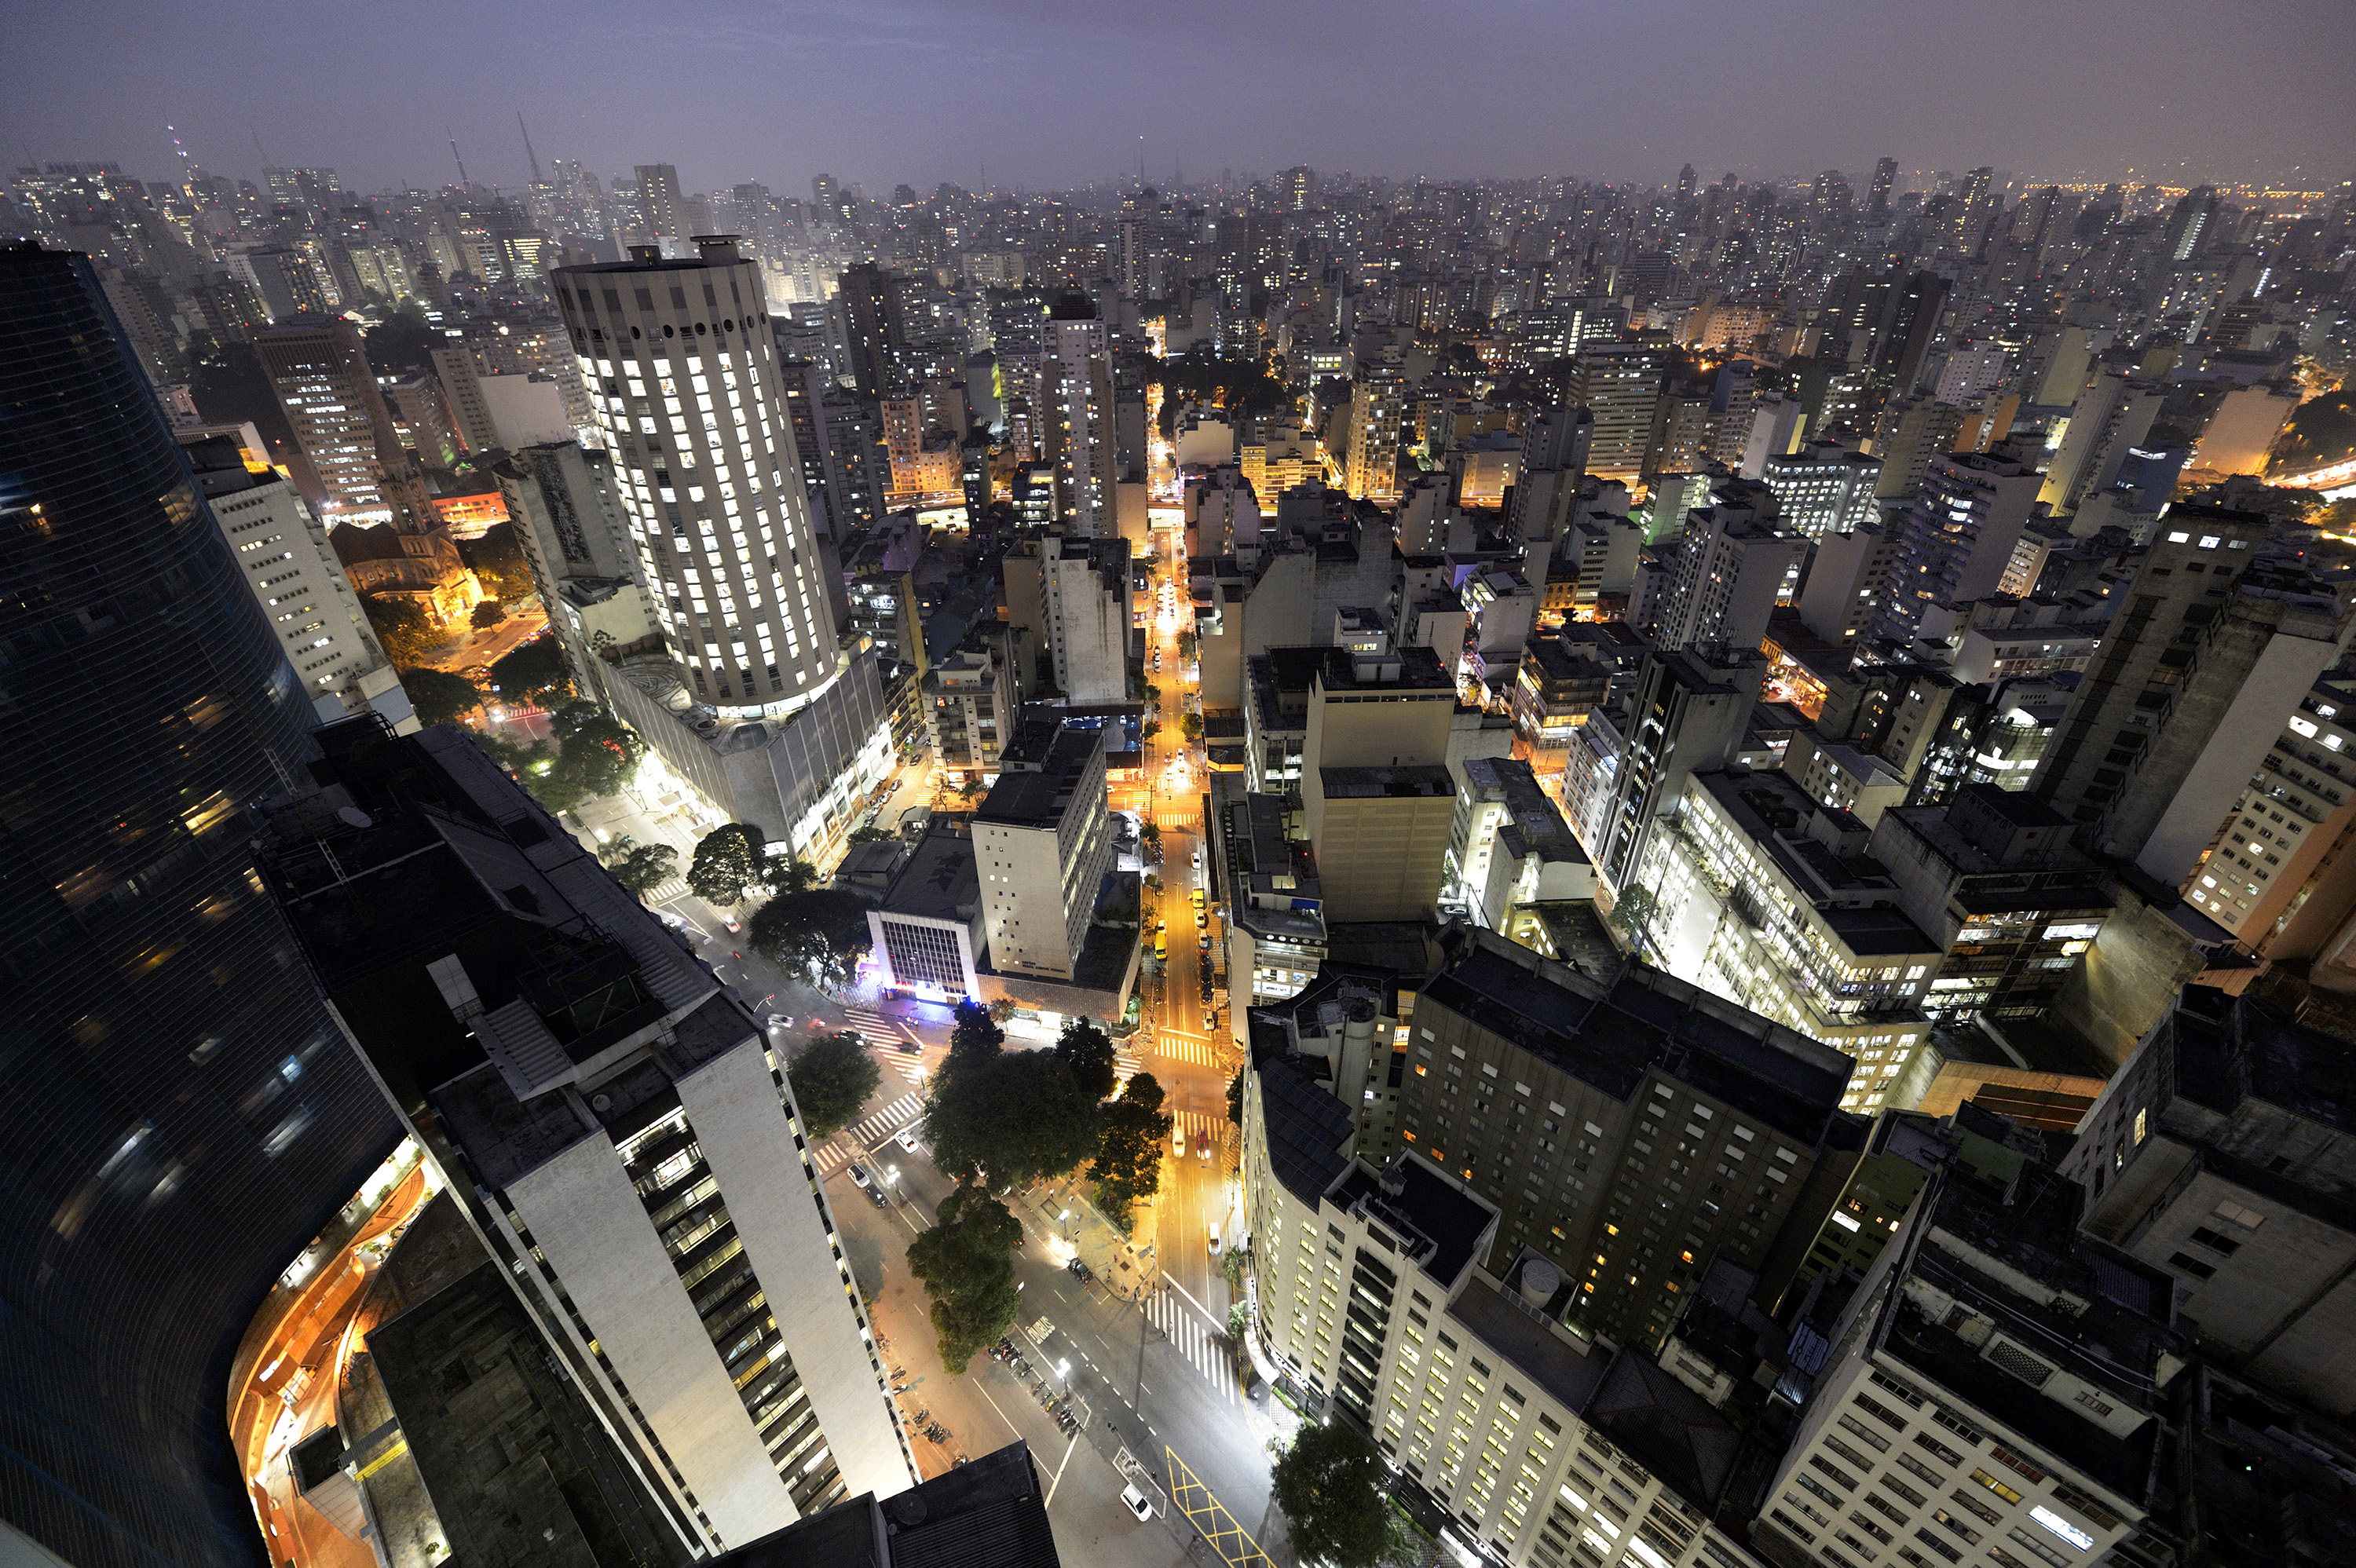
{"x": 2174, "y": 91}
{"x": 1556, "y": 786}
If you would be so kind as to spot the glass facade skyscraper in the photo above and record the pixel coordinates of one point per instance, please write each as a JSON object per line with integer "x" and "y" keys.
{"x": 178, "y": 1114}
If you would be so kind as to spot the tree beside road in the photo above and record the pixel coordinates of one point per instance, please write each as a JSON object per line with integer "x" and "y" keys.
{"x": 831, "y": 1080}
{"x": 1329, "y": 1486}
{"x": 642, "y": 868}
{"x": 967, "y": 1264}
{"x": 1010, "y": 1117}
{"x": 729, "y": 860}
{"x": 1128, "y": 1164}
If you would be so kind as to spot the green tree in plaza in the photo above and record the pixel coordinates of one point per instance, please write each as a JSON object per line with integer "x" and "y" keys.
{"x": 871, "y": 834}
{"x": 489, "y": 612}
{"x": 642, "y": 868}
{"x": 1187, "y": 643}
{"x": 596, "y": 756}
{"x": 831, "y": 1080}
{"x": 534, "y": 674}
{"x": 407, "y": 634}
{"x": 1191, "y": 726}
{"x": 819, "y": 932}
{"x": 1088, "y": 1052}
{"x": 439, "y": 697}
{"x": 1235, "y": 1098}
{"x": 1011, "y": 1117}
{"x": 731, "y": 858}
{"x": 1329, "y": 1486}
{"x": 967, "y": 1264}
{"x": 1128, "y": 1165}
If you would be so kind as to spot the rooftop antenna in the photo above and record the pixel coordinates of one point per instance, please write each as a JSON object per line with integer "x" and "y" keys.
{"x": 187, "y": 163}
{"x": 463, "y": 181}
{"x": 528, "y": 152}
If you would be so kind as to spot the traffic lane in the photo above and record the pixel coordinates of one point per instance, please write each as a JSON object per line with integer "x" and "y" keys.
{"x": 1145, "y": 1394}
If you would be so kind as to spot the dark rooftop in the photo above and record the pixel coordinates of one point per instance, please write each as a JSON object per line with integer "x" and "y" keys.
{"x": 1423, "y": 782}
{"x": 938, "y": 881}
{"x": 1438, "y": 1222}
{"x": 1039, "y": 796}
{"x": 1610, "y": 1035}
{"x": 986, "y": 1513}
{"x": 1307, "y": 1129}
{"x": 1666, "y": 1428}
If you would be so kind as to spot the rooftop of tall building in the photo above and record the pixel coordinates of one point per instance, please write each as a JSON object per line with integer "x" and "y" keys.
{"x": 1609, "y": 1034}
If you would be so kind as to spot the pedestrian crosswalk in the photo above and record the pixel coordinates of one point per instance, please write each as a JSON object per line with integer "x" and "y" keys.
{"x": 1187, "y": 1048}
{"x": 889, "y": 1033}
{"x": 1203, "y": 1347}
{"x": 1128, "y": 1064}
{"x": 849, "y": 1144}
{"x": 1213, "y": 1125}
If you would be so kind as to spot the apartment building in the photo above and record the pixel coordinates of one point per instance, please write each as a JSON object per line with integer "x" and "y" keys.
{"x": 2217, "y": 641}
{"x": 1628, "y": 1130}
{"x": 1825, "y": 488}
{"x": 299, "y": 583}
{"x": 1996, "y": 1395}
{"x": 2215, "y": 1154}
{"x": 1689, "y": 711}
{"x": 1994, "y": 880}
{"x": 969, "y": 704}
{"x": 2279, "y": 874}
{"x": 1768, "y": 898}
{"x": 1043, "y": 847}
{"x": 1272, "y": 904}
{"x": 609, "y": 1114}
{"x": 1542, "y": 1446}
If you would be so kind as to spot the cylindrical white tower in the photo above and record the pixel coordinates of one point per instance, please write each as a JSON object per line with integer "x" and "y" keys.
{"x": 683, "y": 370}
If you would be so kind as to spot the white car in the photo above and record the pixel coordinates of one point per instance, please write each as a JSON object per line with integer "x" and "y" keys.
{"x": 1214, "y": 1238}
{"x": 858, "y": 1174}
{"x": 907, "y": 1139}
{"x": 1178, "y": 1142}
{"x": 1137, "y": 1502}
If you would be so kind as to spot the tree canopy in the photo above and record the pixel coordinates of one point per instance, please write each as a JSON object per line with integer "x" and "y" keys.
{"x": 1328, "y": 1486}
{"x": 642, "y": 868}
{"x": 967, "y": 1264}
{"x": 596, "y": 756}
{"x": 407, "y": 634}
{"x": 438, "y": 696}
{"x": 1235, "y": 1098}
{"x": 487, "y": 613}
{"x": 831, "y": 1081}
{"x": 729, "y": 860}
{"x": 1088, "y": 1052}
{"x": 1128, "y": 1165}
{"x": 822, "y": 933}
{"x": 534, "y": 674}
{"x": 1012, "y": 1117}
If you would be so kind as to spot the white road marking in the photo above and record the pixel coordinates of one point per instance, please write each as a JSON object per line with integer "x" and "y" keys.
{"x": 1058, "y": 1481}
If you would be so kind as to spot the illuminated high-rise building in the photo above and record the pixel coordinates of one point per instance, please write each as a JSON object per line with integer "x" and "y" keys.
{"x": 685, "y": 376}
{"x": 1076, "y": 397}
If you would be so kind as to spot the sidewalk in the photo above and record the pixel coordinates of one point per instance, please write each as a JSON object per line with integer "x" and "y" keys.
{"x": 1125, "y": 1268}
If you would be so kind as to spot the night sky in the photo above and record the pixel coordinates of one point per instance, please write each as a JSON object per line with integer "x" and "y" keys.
{"x": 1055, "y": 92}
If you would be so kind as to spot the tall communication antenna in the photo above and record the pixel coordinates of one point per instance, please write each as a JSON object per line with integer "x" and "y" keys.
{"x": 187, "y": 163}
{"x": 528, "y": 152}
{"x": 463, "y": 181}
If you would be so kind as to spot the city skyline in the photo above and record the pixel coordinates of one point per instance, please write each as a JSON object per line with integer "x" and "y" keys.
{"x": 894, "y": 102}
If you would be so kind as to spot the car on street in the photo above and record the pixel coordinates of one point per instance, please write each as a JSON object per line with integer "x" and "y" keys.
{"x": 731, "y": 922}
{"x": 1202, "y": 1145}
{"x": 907, "y": 1047}
{"x": 1137, "y": 1502}
{"x": 1210, "y": 1020}
{"x": 858, "y": 1174}
{"x": 1201, "y": 920}
{"x": 1178, "y": 1142}
{"x": 906, "y": 1139}
{"x": 1214, "y": 1238}
{"x": 1198, "y": 859}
